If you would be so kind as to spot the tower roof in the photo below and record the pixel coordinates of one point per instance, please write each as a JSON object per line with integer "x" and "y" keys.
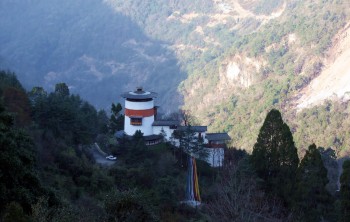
{"x": 139, "y": 93}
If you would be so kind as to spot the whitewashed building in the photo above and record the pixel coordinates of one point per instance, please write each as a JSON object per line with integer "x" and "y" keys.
{"x": 216, "y": 146}
{"x": 141, "y": 113}
{"x": 167, "y": 126}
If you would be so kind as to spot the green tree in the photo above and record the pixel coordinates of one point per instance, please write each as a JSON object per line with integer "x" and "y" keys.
{"x": 15, "y": 98}
{"x": 62, "y": 89}
{"x": 85, "y": 124}
{"x": 9, "y": 79}
{"x": 36, "y": 93}
{"x": 329, "y": 158}
{"x": 17, "y": 102}
{"x": 136, "y": 150}
{"x": 103, "y": 121}
{"x": 275, "y": 157}
{"x": 312, "y": 199}
{"x": 163, "y": 135}
{"x": 14, "y": 213}
{"x": 345, "y": 192}
{"x": 68, "y": 117}
{"x": 130, "y": 205}
{"x": 190, "y": 142}
{"x": 116, "y": 121}
{"x": 18, "y": 177}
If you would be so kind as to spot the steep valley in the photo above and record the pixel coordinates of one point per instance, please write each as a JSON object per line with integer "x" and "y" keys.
{"x": 226, "y": 61}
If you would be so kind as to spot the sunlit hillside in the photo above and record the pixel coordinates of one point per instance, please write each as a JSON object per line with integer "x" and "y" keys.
{"x": 227, "y": 61}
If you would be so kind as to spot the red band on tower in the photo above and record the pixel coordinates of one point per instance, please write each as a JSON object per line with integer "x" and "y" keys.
{"x": 143, "y": 113}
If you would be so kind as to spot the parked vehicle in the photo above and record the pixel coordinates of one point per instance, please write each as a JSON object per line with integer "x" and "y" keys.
{"x": 111, "y": 157}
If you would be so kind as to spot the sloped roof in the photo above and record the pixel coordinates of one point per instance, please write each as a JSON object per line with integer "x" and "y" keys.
{"x": 152, "y": 137}
{"x": 217, "y": 136}
{"x": 198, "y": 129}
{"x": 166, "y": 123}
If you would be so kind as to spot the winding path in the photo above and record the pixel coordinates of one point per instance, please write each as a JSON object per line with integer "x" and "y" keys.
{"x": 101, "y": 159}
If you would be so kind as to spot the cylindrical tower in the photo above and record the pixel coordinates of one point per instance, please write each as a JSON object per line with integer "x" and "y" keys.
{"x": 139, "y": 111}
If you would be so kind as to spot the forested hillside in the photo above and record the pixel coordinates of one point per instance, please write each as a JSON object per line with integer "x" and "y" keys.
{"x": 49, "y": 170}
{"x": 246, "y": 57}
{"x": 231, "y": 60}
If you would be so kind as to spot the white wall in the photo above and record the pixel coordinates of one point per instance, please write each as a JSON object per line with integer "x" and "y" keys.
{"x": 157, "y": 130}
{"x": 146, "y": 127}
{"x": 215, "y": 156}
{"x": 139, "y": 105}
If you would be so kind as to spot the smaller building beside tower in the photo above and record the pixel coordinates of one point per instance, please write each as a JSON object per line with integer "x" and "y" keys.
{"x": 216, "y": 145}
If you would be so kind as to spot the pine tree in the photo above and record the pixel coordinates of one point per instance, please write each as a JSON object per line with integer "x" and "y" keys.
{"x": 18, "y": 177}
{"x": 312, "y": 199}
{"x": 129, "y": 205}
{"x": 62, "y": 89}
{"x": 345, "y": 192}
{"x": 116, "y": 121}
{"x": 275, "y": 157}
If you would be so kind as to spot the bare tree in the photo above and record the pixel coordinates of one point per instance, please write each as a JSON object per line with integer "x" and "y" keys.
{"x": 239, "y": 199}
{"x": 187, "y": 118}
{"x": 183, "y": 116}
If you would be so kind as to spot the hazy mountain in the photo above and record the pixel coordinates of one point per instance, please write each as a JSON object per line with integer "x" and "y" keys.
{"x": 98, "y": 52}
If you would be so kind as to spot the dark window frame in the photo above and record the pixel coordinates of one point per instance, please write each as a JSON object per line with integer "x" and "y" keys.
{"x": 136, "y": 121}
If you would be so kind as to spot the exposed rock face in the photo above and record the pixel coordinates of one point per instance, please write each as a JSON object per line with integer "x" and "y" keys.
{"x": 334, "y": 80}
{"x": 240, "y": 70}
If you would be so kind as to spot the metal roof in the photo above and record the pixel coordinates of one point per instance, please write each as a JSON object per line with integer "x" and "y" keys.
{"x": 166, "y": 123}
{"x": 152, "y": 137}
{"x": 139, "y": 94}
{"x": 217, "y": 136}
{"x": 198, "y": 129}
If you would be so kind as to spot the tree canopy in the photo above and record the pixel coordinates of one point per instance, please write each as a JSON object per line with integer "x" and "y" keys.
{"x": 116, "y": 121}
{"x": 345, "y": 192}
{"x": 312, "y": 199}
{"x": 18, "y": 178}
{"x": 275, "y": 157}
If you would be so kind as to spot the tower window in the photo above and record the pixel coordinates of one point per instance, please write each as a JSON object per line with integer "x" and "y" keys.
{"x": 136, "y": 121}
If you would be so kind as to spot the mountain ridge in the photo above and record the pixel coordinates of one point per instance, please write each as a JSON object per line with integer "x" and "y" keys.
{"x": 228, "y": 61}
{"x": 55, "y": 41}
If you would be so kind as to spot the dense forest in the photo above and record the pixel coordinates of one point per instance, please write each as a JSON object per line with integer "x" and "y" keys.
{"x": 48, "y": 171}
